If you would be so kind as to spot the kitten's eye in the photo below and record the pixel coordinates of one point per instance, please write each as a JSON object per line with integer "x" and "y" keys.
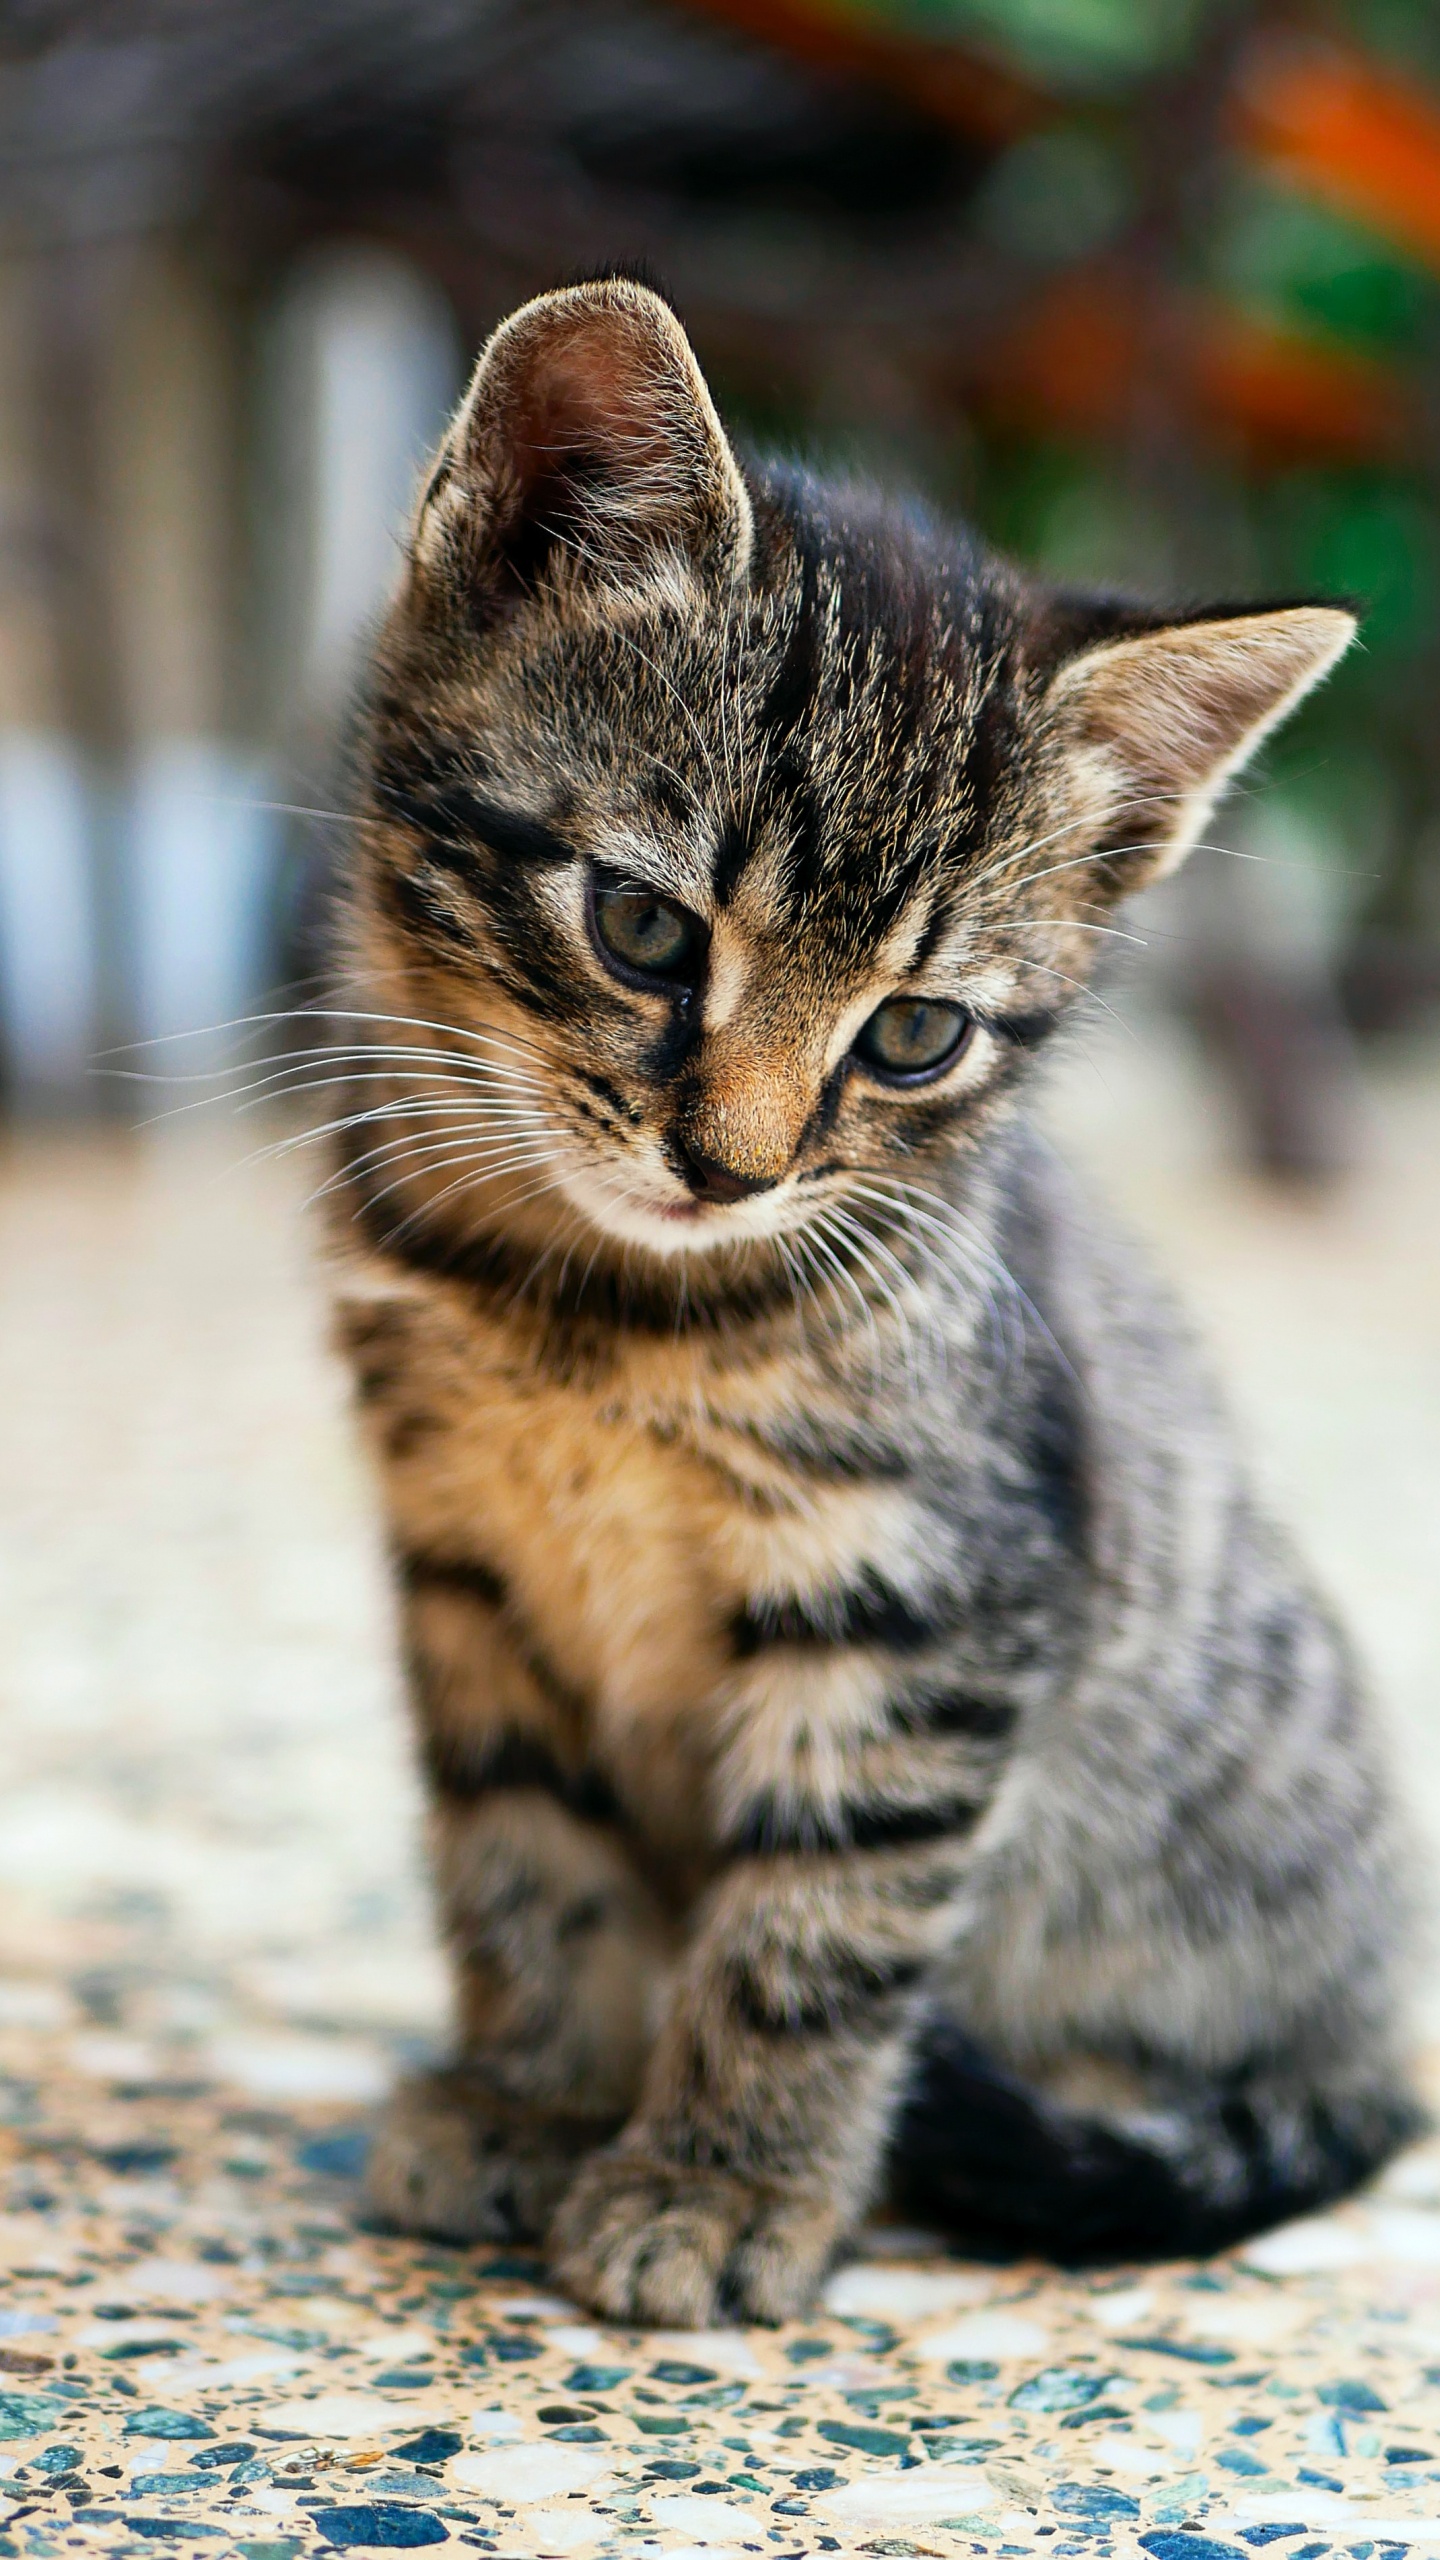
{"x": 913, "y": 1036}
{"x": 649, "y": 934}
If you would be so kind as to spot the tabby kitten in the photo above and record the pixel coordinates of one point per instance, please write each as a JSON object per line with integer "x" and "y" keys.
{"x": 877, "y": 1745}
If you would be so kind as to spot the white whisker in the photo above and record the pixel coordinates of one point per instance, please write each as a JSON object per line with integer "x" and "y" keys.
{"x": 863, "y": 1242}
{"x": 1065, "y": 924}
{"x": 1088, "y": 993}
{"x": 818, "y": 1243}
{"x": 1011, "y": 854}
{"x": 413, "y": 1151}
{"x": 953, "y": 1228}
{"x": 399, "y": 1106}
{"x": 428, "y": 1160}
{"x": 520, "y": 1163}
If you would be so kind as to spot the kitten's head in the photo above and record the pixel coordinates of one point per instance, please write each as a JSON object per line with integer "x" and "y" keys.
{"x": 750, "y": 832}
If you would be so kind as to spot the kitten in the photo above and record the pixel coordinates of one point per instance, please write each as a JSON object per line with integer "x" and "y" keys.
{"x": 877, "y": 1744}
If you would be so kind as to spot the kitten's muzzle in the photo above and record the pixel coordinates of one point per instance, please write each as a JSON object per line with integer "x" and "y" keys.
{"x": 742, "y": 1115}
{"x": 709, "y": 1179}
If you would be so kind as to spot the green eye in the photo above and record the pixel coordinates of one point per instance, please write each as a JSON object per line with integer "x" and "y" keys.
{"x": 912, "y": 1036}
{"x": 648, "y": 934}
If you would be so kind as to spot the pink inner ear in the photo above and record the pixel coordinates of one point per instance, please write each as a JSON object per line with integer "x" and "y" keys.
{"x": 589, "y": 411}
{"x": 588, "y": 445}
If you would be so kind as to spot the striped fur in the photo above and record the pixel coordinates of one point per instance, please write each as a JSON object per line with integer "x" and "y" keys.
{"x": 875, "y": 1740}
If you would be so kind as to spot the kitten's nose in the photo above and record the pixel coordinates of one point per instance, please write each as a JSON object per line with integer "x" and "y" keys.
{"x": 711, "y": 1180}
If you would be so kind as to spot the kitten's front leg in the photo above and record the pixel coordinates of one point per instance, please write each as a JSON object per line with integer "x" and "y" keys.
{"x": 560, "y": 1948}
{"x": 761, "y": 2132}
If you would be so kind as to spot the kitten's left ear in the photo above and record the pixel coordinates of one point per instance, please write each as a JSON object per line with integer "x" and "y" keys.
{"x": 1153, "y": 726}
{"x": 587, "y": 448}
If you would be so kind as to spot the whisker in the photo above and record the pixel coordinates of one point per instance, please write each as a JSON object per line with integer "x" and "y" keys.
{"x": 325, "y": 1063}
{"x": 1145, "y": 844}
{"x": 415, "y": 1149}
{"x": 1068, "y": 826}
{"x": 816, "y": 1281}
{"x": 321, "y": 1068}
{"x": 477, "y": 1156}
{"x": 419, "y": 1214}
{"x": 846, "y": 1236}
{"x": 380, "y": 1112}
{"x": 504, "y": 1085}
{"x": 972, "y": 1256}
{"x": 818, "y": 1243}
{"x": 1065, "y": 924}
{"x": 430, "y": 1159}
{"x": 956, "y": 1229}
{"x": 982, "y": 1272}
{"x": 1088, "y": 993}
{"x": 296, "y": 809}
{"x": 795, "y": 1275}
{"x": 319, "y": 1013}
{"x": 256, "y": 1100}
{"x": 448, "y": 1030}
{"x": 864, "y": 1240}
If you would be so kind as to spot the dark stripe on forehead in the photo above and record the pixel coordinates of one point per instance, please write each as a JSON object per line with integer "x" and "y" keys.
{"x": 792, "y": 688}
{"x": 667, "y": 793}
{"x": 782, "y": 714}
{"x": 937, "y": 925}
{"x": 731, "y": 855}
{"x": 802, "y": 818}
{"x": 993, "y": 728}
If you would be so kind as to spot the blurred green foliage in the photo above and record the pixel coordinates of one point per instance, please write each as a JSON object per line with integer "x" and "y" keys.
{"x": 1077, "y": 42}
{"x": 1302, "y": 265}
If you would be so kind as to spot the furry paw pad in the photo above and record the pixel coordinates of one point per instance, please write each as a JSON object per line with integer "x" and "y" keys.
{"x": 640, "y": 2239}
{"x": 454, "y": 2161}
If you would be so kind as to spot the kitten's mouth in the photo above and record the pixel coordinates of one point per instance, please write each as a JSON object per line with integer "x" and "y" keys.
{"x": 684, "y": 1213}
{"x": 674, "y": 1225}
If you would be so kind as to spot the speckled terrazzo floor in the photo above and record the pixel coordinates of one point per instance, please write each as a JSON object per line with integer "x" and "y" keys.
{"x": 213, "y": 1952}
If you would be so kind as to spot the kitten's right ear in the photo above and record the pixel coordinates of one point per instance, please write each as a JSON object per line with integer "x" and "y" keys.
{"x": 1152, "y": 724}
{"x": 587, "y": 449}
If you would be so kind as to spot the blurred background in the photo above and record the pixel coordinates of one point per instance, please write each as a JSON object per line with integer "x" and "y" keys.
{"x": 1149, "y": 288}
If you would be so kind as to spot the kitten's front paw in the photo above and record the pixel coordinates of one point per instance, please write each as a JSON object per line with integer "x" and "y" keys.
{"x": 639, "y": 2239}
{"x": 452, "y": 2160}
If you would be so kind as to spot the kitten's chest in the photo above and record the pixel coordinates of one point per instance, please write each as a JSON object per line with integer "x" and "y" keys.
{"x": 618, "y": 1558}
{"x": 631, "y": 1524}
{"x": 610, "y": 1540}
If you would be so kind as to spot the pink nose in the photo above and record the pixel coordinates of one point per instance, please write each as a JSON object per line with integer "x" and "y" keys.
{"x": 711, "y": 1180}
